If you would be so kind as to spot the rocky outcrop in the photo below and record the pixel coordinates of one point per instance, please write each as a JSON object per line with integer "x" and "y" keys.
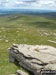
{"x": 19, "y": 72}
{"x": 34, "y": 58}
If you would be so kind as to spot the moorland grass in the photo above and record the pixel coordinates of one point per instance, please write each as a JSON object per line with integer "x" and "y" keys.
{"x": 23, "y": 29}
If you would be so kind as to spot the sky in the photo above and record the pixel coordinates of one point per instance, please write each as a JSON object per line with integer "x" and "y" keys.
{"x": 28, "y": 4}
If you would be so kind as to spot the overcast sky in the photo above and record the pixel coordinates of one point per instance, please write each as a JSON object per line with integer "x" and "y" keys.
{"x": 29, "y": 4}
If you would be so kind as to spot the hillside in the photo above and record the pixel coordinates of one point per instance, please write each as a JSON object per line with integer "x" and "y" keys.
{"x": 23, "y": 29}
{"x": 43, "y": 13}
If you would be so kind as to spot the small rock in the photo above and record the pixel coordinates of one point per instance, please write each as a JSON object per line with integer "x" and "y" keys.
{"x": 19, "y": 72}
{"x": 24, "y": 30}
{"x": 17, "y": 31}
{"x": 6, "y": 40}
{"x": 52, "y": 41}
{"x": 47, "y": 34}
{"x": 15, "y": 45}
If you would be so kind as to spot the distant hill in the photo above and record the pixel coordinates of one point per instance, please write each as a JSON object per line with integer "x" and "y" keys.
{"x": 45, "y": 13}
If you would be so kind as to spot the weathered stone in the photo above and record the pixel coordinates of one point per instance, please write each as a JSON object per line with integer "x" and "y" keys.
{"x": 34, "y": 57}
{"x": 52, "y": 41}
{"x": 19, "y": 72}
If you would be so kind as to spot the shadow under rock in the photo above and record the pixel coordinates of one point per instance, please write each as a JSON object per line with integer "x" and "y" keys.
{"x": 17, "y": 64}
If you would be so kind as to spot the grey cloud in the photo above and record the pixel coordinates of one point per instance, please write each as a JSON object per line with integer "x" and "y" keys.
{"x": 25, "y": 3}
{"x": 31, "y": 1}
{"x": 28, "y": 1}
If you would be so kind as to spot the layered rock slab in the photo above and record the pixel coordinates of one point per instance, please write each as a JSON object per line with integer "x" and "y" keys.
{"x": 34, "y": 58}
{"x": 20, "y": 72}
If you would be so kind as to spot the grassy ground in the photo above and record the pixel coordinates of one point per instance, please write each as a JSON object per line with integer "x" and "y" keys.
{"x": 23, "y": 29}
